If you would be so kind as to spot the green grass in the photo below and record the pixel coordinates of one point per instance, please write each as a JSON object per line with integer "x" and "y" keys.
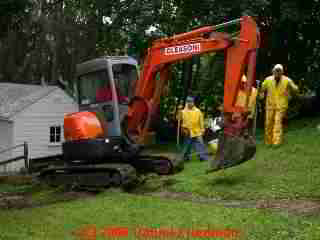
{"x": 9, "y": 188}
{"x": 288, "y": 172}
{"x": 61, "y": 221}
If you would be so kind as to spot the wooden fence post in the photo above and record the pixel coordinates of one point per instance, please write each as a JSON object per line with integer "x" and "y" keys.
{"x": 26, "y": 156}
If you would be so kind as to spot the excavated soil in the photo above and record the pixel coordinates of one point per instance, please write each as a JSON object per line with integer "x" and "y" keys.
{"x": 299, "y": 206}
{"x": 19, "y": 201}
{"x": 9, "y": 200}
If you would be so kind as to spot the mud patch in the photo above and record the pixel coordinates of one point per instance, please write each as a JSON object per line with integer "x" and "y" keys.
{"x": 186, "y": 196}
{"x": 14, "y": 201}
{"x": 23, "y": 200}
{"x": 16, "y": 179}
{"x": 304, "y": 207}
{"x": 36, "y": 196}
{"x": 298, "y": 207}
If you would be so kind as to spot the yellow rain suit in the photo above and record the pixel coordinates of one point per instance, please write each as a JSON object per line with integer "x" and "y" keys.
{"x": 242, "y": 98}
{"x": 276, "y": 106}
{"x": 241, "y": 101}
{"x": 193, "y": 121}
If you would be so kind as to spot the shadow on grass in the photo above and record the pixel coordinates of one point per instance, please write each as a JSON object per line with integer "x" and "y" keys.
{"x": 152, "y": 184}
{"x": 228, "y": 180}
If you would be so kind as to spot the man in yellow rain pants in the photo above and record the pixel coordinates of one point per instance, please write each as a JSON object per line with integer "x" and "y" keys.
{"x": 277, "y": 87}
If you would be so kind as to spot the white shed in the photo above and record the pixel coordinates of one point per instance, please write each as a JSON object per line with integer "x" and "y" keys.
{"x": 32, "y": 114}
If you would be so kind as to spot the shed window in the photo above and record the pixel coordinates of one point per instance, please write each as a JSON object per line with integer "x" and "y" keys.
{"x": 55, "y": 134}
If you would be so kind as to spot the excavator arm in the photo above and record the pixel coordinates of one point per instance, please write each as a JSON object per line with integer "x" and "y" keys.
{"x": 240, "y": 51}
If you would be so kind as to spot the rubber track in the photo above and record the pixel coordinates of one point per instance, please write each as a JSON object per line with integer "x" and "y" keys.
{"x": 99, "y": 175}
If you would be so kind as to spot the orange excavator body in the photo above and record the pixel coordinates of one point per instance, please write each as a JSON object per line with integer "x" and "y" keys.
{"x": 82, "y": 125}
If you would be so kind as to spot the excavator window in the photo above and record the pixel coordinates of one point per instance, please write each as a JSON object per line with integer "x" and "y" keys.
{"x": 125, "y": 77}
{"x": 95, "y": 88}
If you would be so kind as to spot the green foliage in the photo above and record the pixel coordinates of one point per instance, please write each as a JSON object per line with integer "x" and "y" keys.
{"x": 81, "y": 32}
{"x": 169, "y": 104}
{"x": 211, "y": 80}
{"x": 12, "y": 13}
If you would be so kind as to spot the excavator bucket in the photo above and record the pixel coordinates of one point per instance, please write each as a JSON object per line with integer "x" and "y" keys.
{"x": 233, "y": 151}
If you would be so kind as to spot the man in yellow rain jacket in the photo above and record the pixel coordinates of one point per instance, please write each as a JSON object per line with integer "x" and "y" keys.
{"x": 277, "y": 87}
{"x": 193, "y": 129}
{"x": 242, "y": 97}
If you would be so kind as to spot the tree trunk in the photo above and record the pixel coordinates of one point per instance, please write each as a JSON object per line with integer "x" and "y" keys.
{"x": 187, "y": 77}
{"x": 277, "y": 34}
{"x": 197, "y": 61}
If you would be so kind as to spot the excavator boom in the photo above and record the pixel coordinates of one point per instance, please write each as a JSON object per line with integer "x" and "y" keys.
{"x": 240, "y": 51}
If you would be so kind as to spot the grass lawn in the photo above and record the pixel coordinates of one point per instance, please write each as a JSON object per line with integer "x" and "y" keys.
{"x": 289, "y": 172}
{"x": 62, "y": 221}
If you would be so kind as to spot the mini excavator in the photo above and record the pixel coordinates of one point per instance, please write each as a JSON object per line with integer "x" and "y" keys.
{"x": 104, "y": 141}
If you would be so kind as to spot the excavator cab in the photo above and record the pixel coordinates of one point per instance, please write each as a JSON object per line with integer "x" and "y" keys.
{"x": 104, "y": 87}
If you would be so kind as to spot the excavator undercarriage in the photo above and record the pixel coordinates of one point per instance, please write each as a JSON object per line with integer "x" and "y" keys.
{"x": 94, "y": 165}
